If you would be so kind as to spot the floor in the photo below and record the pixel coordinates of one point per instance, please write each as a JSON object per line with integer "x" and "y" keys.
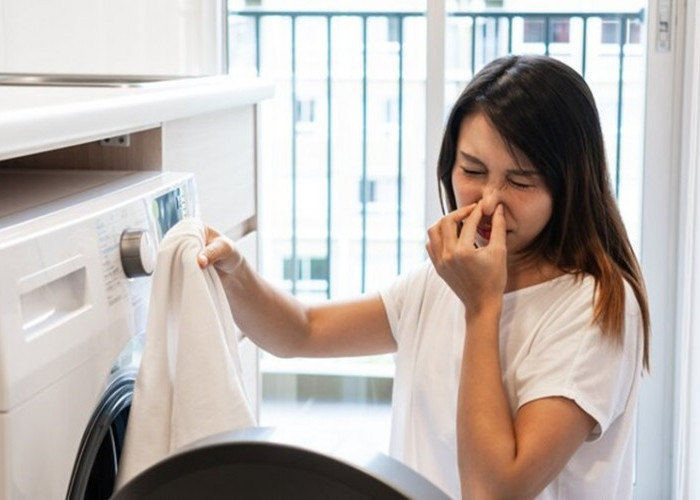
{"x": 366, "y": 425}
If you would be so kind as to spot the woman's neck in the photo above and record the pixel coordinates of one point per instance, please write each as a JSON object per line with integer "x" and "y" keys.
{"x": 522, "y": 274}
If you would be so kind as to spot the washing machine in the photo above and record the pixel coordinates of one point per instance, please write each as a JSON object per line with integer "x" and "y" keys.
{"x": 76, "y": 250}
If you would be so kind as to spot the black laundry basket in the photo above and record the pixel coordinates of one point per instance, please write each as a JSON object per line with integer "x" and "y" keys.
{"x": 254, "y": 463}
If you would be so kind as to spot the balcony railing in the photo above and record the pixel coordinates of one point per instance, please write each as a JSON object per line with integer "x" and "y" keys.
{"x": 332, "y": 66}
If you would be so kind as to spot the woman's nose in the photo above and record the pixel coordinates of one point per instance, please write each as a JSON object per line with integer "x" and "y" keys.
{"x": 491, "y": 196}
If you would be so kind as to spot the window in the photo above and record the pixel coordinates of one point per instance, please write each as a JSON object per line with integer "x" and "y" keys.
{"x": 560, "y": 31}
{"x": 392, "y": 29}
{"x": 634, "y": 32}
{"x": 610, "y": 32}
{"x": 391, "y": 112}
{"x": 308, "y": 268}
{"x": 368, "y": 191}
{"x": 341, "y": 266}
{"x": 534, "y": 30}
{"x": 305, "y": 110}
{"x": 312, "y": 277}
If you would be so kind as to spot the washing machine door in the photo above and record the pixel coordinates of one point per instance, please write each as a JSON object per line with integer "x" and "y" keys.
{"x": 95, "y": 470}
{"x": 264, "y": 463}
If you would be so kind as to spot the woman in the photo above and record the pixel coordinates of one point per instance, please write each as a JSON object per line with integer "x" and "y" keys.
{"x": 520, "y": 344}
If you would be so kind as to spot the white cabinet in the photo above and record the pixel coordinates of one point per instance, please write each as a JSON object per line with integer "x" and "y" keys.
{"x": 219, "y": 148}
{"x": 250, "y": 354}
{"x": 104, "y": 36}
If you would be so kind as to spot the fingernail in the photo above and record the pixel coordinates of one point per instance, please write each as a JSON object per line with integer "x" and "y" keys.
{"x": 203, "y": 261}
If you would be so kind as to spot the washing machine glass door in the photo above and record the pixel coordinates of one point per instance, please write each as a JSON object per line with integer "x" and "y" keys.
{"x": 96, "y": 465}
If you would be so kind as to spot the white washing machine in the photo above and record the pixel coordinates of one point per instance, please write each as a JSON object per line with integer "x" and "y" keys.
{"x": 76, "y": 248}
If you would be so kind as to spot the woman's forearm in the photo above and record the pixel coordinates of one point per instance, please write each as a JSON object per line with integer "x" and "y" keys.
{"x": 273, "y": 319}
{"x": 283, "y": 326}
{"x": 485, "y": 432}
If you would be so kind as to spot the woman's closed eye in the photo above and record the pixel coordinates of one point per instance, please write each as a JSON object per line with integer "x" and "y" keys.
{"x": 523, "y": 180}
{"x": 521, "y": 183}
{"x": 472, "y": 171}
{"x": 516, "y": 179}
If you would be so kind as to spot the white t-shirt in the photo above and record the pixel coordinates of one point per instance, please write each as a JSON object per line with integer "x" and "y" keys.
{"x": 548, "y": 347}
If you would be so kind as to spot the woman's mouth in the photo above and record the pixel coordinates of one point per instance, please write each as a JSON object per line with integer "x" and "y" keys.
{"x": 484, "y": 231}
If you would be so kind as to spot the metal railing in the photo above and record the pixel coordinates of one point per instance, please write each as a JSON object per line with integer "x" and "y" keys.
{"x": 492, "y": 31}
{"x": 621, "y": 19}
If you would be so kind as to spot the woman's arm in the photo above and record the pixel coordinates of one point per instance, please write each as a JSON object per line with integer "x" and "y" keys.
{"x": 282, "y": 325}
{"x": 499, "y": 456}
{"x": 502, "y": 457}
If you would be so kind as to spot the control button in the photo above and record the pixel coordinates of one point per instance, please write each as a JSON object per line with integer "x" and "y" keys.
{"x": 138, "y": 254}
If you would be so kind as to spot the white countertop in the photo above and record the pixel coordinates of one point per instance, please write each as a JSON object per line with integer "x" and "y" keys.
{"x": 35, "y": 119}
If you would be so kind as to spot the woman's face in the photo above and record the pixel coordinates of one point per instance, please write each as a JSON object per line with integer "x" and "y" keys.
{"x": 485, "y": 171}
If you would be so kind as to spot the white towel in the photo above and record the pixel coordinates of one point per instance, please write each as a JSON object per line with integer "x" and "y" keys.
{"x": 189, "y": 383}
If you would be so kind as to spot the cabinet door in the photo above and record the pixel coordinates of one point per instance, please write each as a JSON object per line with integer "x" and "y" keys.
{"x": 219, "y": 149}
{"x": 249, "y": 352}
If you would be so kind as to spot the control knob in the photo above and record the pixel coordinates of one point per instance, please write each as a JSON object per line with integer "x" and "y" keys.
{"x": 138, "y": 253}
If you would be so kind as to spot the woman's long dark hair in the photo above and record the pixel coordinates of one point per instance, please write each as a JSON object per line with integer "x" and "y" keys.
{"x": 544, "y": 110}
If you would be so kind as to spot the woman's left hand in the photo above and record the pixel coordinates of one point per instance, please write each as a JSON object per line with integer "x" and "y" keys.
{"x": 478, "y": 275}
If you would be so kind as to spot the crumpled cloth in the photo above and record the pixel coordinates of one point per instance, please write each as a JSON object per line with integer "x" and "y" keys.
{"x": 189, "y": 383}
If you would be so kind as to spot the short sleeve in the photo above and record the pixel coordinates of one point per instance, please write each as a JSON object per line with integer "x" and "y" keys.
{"x": 570, "y": 357}
{"x": 400, "y": 292}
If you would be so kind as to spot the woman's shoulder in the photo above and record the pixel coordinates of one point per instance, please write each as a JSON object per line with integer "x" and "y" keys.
{"x": 421, "y": 275}
{"x": 420, "y": 285}
{"x": 569, "y": 295}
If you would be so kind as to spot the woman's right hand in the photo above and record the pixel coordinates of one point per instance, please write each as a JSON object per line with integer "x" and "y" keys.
{"x": 218, "y": 251}
{"x": 477, "y": 275}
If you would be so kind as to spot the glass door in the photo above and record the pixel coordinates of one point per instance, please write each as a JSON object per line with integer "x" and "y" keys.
{"x": 348, "y": 148}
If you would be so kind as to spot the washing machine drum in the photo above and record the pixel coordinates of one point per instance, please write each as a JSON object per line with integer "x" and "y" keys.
{"x": 95, "y": 469}
{"x": 256, "y": 464}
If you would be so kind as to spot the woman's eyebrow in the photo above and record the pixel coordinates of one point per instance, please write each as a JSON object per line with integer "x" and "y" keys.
{"x": 472, "y": 159}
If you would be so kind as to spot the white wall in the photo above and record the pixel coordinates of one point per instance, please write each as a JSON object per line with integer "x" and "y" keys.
{"x": 105, "y": 36}
{"x": 687, "y": 436}
{"x": 666, "y": 461}
{"x": 2, "y": 30}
